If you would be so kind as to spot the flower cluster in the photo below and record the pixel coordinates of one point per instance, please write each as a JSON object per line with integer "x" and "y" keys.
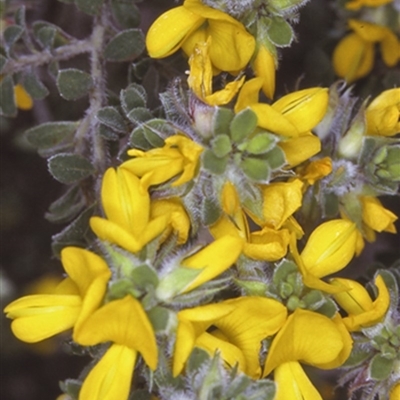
{"x": 210, "y": 274}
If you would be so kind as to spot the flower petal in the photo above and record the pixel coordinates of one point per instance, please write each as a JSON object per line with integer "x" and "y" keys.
{"x": 22, "y": 98}
{"x": 264, "y": 66}
{"x": 169, "y": 31}
{"x": 110, "y": 379}
{"x": 124, "y": 322}
{"x": 298, "y": 340}
{"x": 249, "y": 94}
{"x": 293, "y": 383}
{"x": 39, "y": 317}
{"x": 299, "y": 149}
{"x": 376, "y": 216}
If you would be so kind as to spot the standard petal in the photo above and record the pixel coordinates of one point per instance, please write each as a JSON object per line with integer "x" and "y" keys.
{"x": 170, "y": 30}
{"x": 124, "y": 322}
{"x": 293, "y": 383}
{"x": 249, "y": 94}
{"x": 39, "y": 317}
{"x": 298, "y": 340}
{"x": 110, "y": 378}
{"x": 264, "y": 66}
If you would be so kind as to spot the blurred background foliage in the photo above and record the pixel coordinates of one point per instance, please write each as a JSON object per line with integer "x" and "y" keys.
{"x": 27, "y": 189}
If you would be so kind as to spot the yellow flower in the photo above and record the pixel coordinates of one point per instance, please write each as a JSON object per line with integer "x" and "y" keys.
{"x": 353, "y": 57}
{"x": 126, "y": 204}
{"x": 179, "y": 221}
{"x": 264, "y": 66}
{"x": 200, "y": 267}
{"x": 357, "y": 4}
{"x": 376, "y": 217}
{"x": 124, "y": 323}
{"x": 38, "y": 317}
{"x": 243, "y": 323}
{"x": 329, "y": 249}
{"x": 299, "y": 340}
{"x": 315, "y": 170}
{"x": 383, "y": 114}
{"x": 269, "y": 244}
{"x": 182, "y": 27}
{"x": 179, "y": 156}
{"x": 200, "y": 77}
{"x": 361, "y": 310}
{"x": 395, "y": 392}
{"x": 22, "y": 98}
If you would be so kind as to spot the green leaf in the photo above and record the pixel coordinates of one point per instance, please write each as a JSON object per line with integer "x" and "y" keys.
{"x": 221, "y": 145}
{"x": 67, "y": 206}
{"x": 380, "y": 367}
{"x": 243, "y": 124}
{"x": 73, "y": 83}
{"x": 19, "y": 17}
{"x": 91, "y": 7}
{"x": 126, "y": 13}
{"x": 222, "y": 120}
{"x": 211, "y": 211}
{"x": 144, "y": 276}
{"x": 53, "y": 136}
{"x": 213, "y": 163}
{"x": 111, "y": 117}
{"x": 126, "y": 45}
{"x": 107, "y": 133}
{"x": 34, "y": 86}
{"x": 139, "y": 115}
{"x": 134, "y": 96}
{"x": 261, "y": 143}
{"x": 276, "y": 158}
{"x": 69, "y": 168}
{"x": 154, "y": 131}
{"x": 10, "y": 35}
{"x": 75, "y": 233}
{"x": 159, "y": 318}
{"x": 256, "y": 169}
{"x": 8, "y": 107}
{"x": 44, "y": 33}
{"x": 280, "y": 32}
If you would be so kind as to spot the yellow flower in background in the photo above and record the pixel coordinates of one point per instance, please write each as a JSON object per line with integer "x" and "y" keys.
{"x": 185, "y": 26}
{"x": 179, "y": 221}
{"x": 200, "y": 77}
{"x": 179, "y": 156}
{"x": 38, "y": 317}
{"x": 357, "y": 4}
{"x": 124, "y": 323}
{"x": 241, "y": 323}
{"x": 264, "y": 66}
{"x": 22, "y": 99}
{"x": 353, "y": 57}
{"x": 330, "y": 247}
{"x": 395, "y": 392}
{"x": 383, "y": 114}
{"x": 126, "y": 204}
{"x": 299, "y": 340}
{"x": 375, "y": 217}
{"x": 361, "y": 310}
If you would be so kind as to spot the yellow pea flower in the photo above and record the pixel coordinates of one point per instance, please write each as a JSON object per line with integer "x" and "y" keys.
{"x": 293, "y": 115}
{"x": 38, "y": 317}
{"x": 315, "y": 170}
{"x": 299, "y": 340}
{"x": 395, "y": 392}
{"x": 329, "y": 249}
{"x": 124, "y": 323}
{"x": 179, "y": 221}
{"x": 269, "y": 244}
{"x": 376, "y": 217}
{"x": 383, "y": 114}
{"x": 353, "y": 57}
{"x": 126, "y": 204}
{"x": 182, "y": 27}
{"x": 361, "y": 310}
{"x": 200, "y": 267}
{"x": 243, "y": 322}
{"x": 357, "y": 4}
{"x": 200, "y": 77}
{"x": 22, "y": 98}
{"x": 179, "y": 156}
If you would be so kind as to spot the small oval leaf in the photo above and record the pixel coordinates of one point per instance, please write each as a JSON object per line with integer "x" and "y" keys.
{"x": 70, "y": 168}
{"x": 73, "y": 83}
{"x": 127, "y": 45}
